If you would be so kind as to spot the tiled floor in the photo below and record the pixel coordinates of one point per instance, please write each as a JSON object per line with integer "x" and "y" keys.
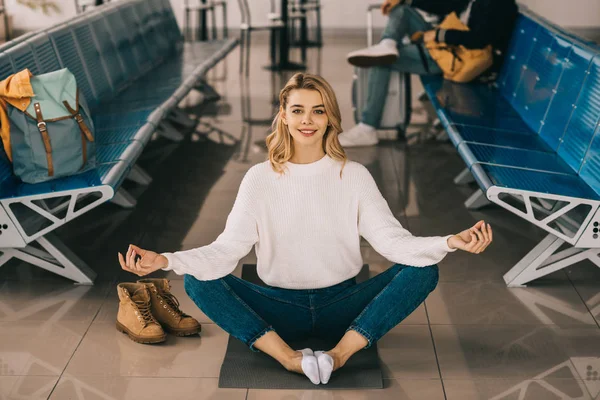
{"x": 472, "y": 339}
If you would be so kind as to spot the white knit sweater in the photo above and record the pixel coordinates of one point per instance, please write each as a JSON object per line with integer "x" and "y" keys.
{"x": 306, "y": 226}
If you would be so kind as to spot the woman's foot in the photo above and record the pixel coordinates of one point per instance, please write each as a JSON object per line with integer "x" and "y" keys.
{"x": 328, "y": 362}
{"x": 304, "y": 362}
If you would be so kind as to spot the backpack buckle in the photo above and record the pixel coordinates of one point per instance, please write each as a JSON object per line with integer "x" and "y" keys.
{"x": 78, "y": 118}
{"x": 42, "y": 126}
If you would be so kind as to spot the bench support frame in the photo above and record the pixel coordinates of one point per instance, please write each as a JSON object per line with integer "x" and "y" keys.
{"x": 552, "y": 217}
{"x": 477, "y": 200}
{"x": 544, "y": 259}
{"x": 139, "y": 176}
{"x": 182, "y": 118}
{"x": 124, "y": 199}
{"x": 71, "y": 198}
{"x": 50, "y": 253}
{"x": 465, "y": 177}
{"x": 55, "y": 257}
{"x": 167, "y": 130}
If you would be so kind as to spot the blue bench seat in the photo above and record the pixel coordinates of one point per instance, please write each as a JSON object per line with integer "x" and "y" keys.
{"x": 567, "y": 185}
{"x": 475, "y": 153}
{"x": 132, "y": 68}
{"x": 531, "y": 141}
{"x": 475, "y": 134}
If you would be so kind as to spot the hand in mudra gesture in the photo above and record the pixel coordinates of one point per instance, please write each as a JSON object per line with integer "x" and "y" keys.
{"x": 142, "y": 262}
{"x": 473, "y": 240}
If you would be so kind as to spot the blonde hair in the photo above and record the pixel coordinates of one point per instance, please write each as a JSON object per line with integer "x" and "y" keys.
{"x": 280, "y": 141}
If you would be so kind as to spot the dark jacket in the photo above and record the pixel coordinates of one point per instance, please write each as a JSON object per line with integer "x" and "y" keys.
{"x": 490, "y": 22}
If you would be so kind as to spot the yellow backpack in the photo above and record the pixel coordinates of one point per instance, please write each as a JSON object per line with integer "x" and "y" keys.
{"x": 458, "y": 63}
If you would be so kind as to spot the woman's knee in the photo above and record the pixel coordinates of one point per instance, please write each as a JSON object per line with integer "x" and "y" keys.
{"x": 430, "y": 276}
{"x": 195, "y": 287}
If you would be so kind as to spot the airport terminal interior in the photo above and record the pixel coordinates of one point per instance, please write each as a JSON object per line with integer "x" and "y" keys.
{"x": 474, "y": 337}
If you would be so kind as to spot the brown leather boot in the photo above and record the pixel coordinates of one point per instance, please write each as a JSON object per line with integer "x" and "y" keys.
{"x": 165, "y": 308}
{"x": 135, "y": 316}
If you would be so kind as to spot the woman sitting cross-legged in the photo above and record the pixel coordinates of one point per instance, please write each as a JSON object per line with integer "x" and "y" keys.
{"x": 305, "y": 209}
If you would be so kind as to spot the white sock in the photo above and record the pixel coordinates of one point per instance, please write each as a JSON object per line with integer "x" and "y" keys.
{"x": 310, "y": 367}
{"x": 325, "y": 365}
{"x": 364, "y": 127}
{"x": 389, "y": 43}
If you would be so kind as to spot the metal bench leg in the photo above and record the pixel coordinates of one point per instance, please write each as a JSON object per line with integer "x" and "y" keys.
{"x": 543, "y": 260}
{"x": 123, "y": 199}
{"x": 464, "y": 177}
{"x": 182, "y": 118}
{"x": 477, "y": 200}
{"x": 168, "y": 131}
{"x": 139, "y": 176}
{"x": 56, "y": 258}
{"x": 225, "y": 32}
{"x": 209, "y": 92}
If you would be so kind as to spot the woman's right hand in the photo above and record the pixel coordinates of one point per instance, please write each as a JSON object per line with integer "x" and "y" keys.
{"x": 147, "y": 262}
{"x": 387, "y": 6}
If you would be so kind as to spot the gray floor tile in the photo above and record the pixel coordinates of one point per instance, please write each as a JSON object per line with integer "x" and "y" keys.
{"x": 26, "y": 387}
{"x": 49, "y": 301}
{"x": 482, "y": 303}
{"x": 530, "y": 389}
{"x": 406, "y": 352}
{"x": 412, "y": 389}
{"x": 41, "y": 348}
{"x": 583, "y": 272}
{"x": 114, "y": 354}
{"x": 134, "y": 388}
{"x": 590, "y": 293}
{"x": 485, "y": 352}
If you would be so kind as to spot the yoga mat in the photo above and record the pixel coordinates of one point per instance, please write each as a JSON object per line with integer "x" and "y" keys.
{"x": 243, "y": 368}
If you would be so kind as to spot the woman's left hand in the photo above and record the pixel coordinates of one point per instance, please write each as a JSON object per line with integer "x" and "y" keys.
{"x": 474, "y": 240}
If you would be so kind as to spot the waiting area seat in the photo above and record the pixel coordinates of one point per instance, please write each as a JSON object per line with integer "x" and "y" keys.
{"x": 531, "y": 141}
{"x": 132, "y": 68}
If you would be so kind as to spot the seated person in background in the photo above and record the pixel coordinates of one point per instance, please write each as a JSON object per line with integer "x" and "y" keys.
{"x": 489, "y": 22}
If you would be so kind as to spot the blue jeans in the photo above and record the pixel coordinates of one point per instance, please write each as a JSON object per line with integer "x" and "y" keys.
{"x": 403, "y": 20}
{"x": 371, "y": 308}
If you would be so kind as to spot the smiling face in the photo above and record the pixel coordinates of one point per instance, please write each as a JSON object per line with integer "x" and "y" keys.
{"x": 306, "y": 118}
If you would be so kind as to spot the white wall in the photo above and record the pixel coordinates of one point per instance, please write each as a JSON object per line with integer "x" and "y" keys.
{"x": 352, "y": 13}
{"x": 25, "y": 19}
{"x": 335, "y": 13}
{"x": 568, "y": 13}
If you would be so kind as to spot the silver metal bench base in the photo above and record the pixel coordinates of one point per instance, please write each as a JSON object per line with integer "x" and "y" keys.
{"x": 55, "y": 257}
{"x": 167, "y": 130}
{"x": 464, "y": 178}
{"x": 182, "y": 118}
{"x": 544, "y": 260}
{"x": 477, "y": 200}
{"x": 123, "y": 199}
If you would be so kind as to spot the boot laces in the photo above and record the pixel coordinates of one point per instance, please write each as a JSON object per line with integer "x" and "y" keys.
{"x": 172, "y": 302}
{"x": 145, "y": 312}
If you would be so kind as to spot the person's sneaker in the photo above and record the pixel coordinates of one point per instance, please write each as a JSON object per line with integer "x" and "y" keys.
{"x": 135, "y": 317}
{"x": 379, "y": 54}
{"x": 359, "y": 135}
{"x": 165, "y": 308}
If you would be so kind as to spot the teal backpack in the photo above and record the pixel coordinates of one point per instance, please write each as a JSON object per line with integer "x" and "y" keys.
{"x": 54, "y": 137}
